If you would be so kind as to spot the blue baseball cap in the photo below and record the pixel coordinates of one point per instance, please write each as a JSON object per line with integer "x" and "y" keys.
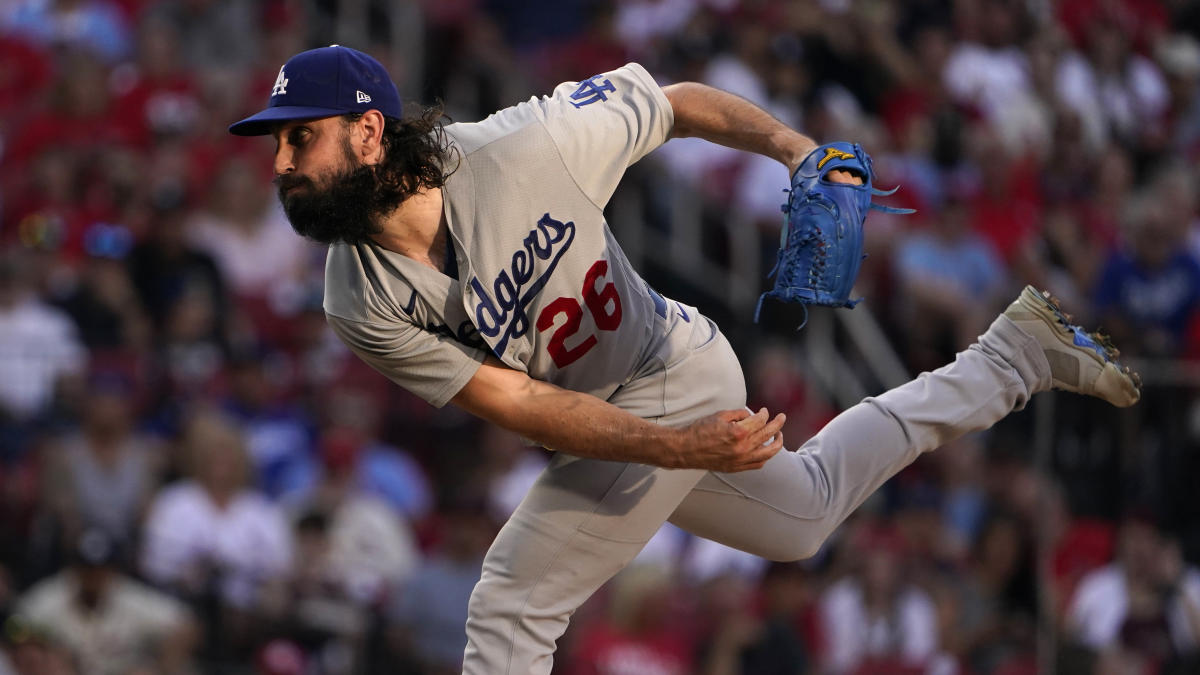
{"x": 323, "y": 82}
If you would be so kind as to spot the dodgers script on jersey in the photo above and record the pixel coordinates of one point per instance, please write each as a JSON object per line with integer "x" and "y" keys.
{"x": 542, "y": 283}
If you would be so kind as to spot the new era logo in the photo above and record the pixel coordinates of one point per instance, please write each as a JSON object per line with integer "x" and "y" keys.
{"x": 363, "y": 98}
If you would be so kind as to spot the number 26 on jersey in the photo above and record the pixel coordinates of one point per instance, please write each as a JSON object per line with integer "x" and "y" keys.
{"x": 603, "y": 303}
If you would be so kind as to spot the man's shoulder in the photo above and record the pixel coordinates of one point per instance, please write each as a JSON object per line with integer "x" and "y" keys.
{"x": 345, "y": 283}
{"x": 474, "y": 136}
{"x": 530, "y": 115}
{"x": 360, "y": 287}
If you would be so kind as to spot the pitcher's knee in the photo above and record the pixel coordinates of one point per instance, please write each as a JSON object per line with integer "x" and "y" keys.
{"x": 797, "y": 544}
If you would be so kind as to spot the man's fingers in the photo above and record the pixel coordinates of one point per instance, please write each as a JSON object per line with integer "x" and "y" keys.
{"x": 753, "y": 422}
{"x": 839, "y": 176}
{"x": 759, "y": 455}
{"x": 769, "y": 430}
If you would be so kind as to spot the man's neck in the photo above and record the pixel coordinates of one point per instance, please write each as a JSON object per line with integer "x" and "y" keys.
{"x": 417, "y": 229}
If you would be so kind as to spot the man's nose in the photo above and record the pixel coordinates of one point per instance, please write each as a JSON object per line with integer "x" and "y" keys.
{"x": 283, "y": 161}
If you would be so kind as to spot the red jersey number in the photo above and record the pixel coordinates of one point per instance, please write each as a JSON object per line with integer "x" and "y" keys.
{"x": 604, "y": 304}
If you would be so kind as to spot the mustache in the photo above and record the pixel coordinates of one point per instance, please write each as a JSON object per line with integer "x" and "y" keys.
{"x": 289, "y": 181}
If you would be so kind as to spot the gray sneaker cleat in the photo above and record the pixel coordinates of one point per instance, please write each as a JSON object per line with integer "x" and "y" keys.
{"x": 1081, "y": 362}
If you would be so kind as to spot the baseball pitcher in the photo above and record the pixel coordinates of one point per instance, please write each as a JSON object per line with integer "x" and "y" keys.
{"x": 471, "y": 264}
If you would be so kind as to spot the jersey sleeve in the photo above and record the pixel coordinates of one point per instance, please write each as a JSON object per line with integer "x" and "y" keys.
{"x": 432, "y": 366}
{"x": 605, "y": 123}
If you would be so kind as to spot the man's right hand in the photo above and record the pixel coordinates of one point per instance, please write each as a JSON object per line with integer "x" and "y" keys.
{"x": 731, "y": 440}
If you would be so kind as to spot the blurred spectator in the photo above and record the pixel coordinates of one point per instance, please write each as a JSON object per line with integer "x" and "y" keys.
{"x": 186, "y": 299}
{"x": 38, "y": 345}
{"x": 326, "y": 613}
{"x": 381, "y": 470}
{"x": 994, "y": 618}
{"x": 1149, "y": 291}
{"x": 428, "y": 621}
{"x": 28, "y": 651}
{"x": 640, "y": 22}
{"x": 874, "y": 618}
{"x": 278, "y": 434}
{"x": 164, "y": 269}
{"x": 370, "y": 551}
{"x": 951, "y": 280}
{"x": 1110, "y": 190}
{"x": 777, "y": 379}
{"x": 989, "y": 72}
{"x": 46, "y": 165}
{"x": 104, "y": 302}
{"x": 97, "y": 26}
{"x": 111, "y": 624}
{"x": 156, "y": 96}
{"x": 961, "y": 469}
{"x": 1144, "y": 606}
{"x": 209, "y": 532}
{"x": 1117, "y": 92}
{"x": 638, "y": 634}
{"x": 25, "y": 75}
{"x": 103, "y": 476}
{"x": 1078, "y": 545}
{"x": 1065, "y": 257}
{"x": 596, "y": 49}
{"x": 244, "y": 229}
{"x": 1006, "y": 209}
{"x": 778, "y": 642}
{"x": 211, "y": 33}
{"x": 1179, "y": 57}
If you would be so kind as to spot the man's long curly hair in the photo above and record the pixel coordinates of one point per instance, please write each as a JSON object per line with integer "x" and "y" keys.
{"x": 416, "y": 154}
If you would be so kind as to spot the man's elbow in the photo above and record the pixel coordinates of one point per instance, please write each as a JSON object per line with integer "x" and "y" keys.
{"x": 678, "y": 95}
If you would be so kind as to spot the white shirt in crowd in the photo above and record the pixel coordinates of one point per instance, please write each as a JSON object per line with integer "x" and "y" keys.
{"x": 38, "y": 345}
{"x": 246, "y": 544}
{"x": 1101, "y": 603}
{"x": 909, "y": 634}
{"x": 118, "y": 635}
{"x": 256, "y": 262}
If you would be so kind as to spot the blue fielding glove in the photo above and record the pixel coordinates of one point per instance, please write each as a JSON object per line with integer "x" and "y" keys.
{"x": 821, "y": 243}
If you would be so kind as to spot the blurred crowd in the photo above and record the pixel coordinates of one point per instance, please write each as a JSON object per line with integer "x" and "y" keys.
{"x": 196, "y": 477}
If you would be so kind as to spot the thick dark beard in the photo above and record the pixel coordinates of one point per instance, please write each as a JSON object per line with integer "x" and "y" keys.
{"x": 348, "y": 208}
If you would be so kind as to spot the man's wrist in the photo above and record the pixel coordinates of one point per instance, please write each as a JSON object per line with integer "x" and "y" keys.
{"x": 794, "y": 147}
{"x": 671, "y": 448}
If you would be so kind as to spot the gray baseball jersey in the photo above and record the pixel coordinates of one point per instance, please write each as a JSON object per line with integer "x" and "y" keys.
{"x": 542, "y": 283}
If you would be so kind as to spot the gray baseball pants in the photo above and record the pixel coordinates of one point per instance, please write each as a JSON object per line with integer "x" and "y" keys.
{"x": 586, "y": 519}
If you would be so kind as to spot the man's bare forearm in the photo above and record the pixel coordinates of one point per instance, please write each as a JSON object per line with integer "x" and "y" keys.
{"x": 727, "y": 119}
{"x": 586, "y": 426}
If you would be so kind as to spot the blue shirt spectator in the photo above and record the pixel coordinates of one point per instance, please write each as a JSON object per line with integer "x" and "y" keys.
{"x": 1160, "y": 299}
{"x": 93, "y": 25}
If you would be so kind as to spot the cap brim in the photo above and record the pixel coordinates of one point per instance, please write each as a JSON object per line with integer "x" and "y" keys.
{"x": 260, "y": 124}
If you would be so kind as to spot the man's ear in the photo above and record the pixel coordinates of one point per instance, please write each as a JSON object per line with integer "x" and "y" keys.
{"x": 370, "y": 128}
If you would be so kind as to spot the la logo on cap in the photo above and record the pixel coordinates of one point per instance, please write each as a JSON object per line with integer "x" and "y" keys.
{"x": 362, "y": 97}
{"x": 280, "y": 84}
